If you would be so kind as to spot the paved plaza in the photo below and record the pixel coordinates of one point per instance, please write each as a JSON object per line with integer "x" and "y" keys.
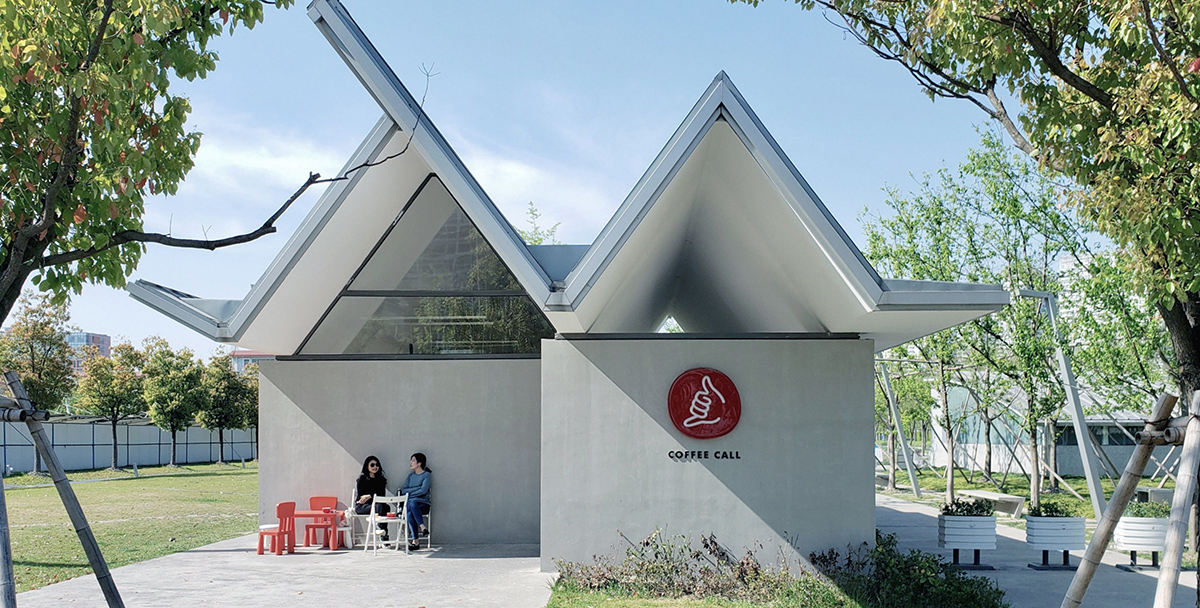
{"x": 230, "y": 574}
{"x": 915, "y": 527}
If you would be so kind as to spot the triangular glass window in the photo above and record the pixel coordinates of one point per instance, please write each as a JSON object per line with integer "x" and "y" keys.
{"x": 439, "y": 249}
{"x": 432, "y": 286}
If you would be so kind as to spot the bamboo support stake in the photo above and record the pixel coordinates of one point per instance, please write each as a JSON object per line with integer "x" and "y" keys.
{"x": 8, "y": 585}
{"x": 1121, "y": 495}
{"x": 70, "y": 502}
{"x": 1181, "y": 502}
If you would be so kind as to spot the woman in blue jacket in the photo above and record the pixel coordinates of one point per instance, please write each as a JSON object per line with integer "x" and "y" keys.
{"x": 416, "y": 486}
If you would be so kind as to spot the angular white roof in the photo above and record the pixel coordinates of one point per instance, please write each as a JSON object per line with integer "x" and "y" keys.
{"x": 722, "y": 233}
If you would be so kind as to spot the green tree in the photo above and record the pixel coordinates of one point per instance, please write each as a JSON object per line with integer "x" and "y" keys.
{"x": 1107, "y": 93}
{"x": 536, "y": 235}
{"x": 172, "y": 387}
{"x": 228, "y": 397}
{"x": 89, "y": 126}
{"x": 250, "y": 411}
{"x": 111, "y": 388}
{"x": 994, "y": 221}
{"x": 35, "y": 347}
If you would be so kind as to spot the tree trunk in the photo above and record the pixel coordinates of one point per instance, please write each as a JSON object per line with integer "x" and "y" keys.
{"x": 114, "y": 433}
{"x": 221, "y": 446}
{"x": 891, "y": 485}
{"x": 173, "y": 443}
{"x": 1052, "y": 450}
{"x": 1035, "y": 477}
{"x": 987, "y": 444}
{"x": 949, "y": 432}
{"x": 1181, "y": 320}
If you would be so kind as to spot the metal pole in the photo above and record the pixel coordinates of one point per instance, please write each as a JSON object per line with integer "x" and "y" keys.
{"x": 70, "y": 502}
{"x": 908, "y": 460}
{"x": 1086, "y": 456}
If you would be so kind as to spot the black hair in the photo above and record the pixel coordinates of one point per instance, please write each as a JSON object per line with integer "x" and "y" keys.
{"x": 420, "y": 460}
{"x": 367, "y": 474}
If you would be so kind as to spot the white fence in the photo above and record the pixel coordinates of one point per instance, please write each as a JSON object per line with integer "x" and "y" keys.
{"x": 84, "y": 445}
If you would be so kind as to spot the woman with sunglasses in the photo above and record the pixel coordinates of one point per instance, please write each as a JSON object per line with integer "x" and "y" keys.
{"x": 370, "y": 484}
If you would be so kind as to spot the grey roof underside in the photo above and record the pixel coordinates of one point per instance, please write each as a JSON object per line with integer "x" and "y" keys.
{"x": 557, "y": 276}
{"x": 224, "y": 320}
{"x": 557, "y": 260}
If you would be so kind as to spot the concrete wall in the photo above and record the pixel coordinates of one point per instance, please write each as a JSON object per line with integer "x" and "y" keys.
{"x": 476, "y": 420}
{"x": 803, "y": 480}
{"x": 89, "y": 446}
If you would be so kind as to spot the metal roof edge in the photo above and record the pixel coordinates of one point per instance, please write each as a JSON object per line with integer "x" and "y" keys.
{"x": 171, "y": 303}
{"x": 641, "y": 198}
{"x": 381, "y": 82}
{"x": 854, "y": 267}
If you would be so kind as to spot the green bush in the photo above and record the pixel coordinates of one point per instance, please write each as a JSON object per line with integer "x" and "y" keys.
{"x": 1050, "y": 509}
{"x": 979, "y": 507}
{"x": 882, "y": 577}
{"x": 1148, "y": 509}
{"x": 891, "y": 579}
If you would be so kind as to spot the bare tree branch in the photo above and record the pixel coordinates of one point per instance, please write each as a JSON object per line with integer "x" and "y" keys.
{"x": 1162, "y": 53}
{"x": 1049, "y": 56}
{"x": 268, "y": 227}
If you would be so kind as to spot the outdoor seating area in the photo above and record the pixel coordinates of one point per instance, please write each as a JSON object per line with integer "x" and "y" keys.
{"x": 333, "y": 529}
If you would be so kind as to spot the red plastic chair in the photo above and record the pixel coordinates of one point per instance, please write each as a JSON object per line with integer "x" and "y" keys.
{"x": 283, "y": 534}
{"x": 328, "y": 525}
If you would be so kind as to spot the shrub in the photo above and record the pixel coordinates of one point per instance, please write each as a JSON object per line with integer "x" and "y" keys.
{"x": 888, "y": 578}
{"x": 1050, "y": 509}
{"x": 979, "y": 507}
{"x": 1147, "y": 509}
{"x": 882, "y": 577}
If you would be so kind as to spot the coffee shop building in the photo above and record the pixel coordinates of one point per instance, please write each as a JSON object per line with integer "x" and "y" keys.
{"x": 406, "y": 314}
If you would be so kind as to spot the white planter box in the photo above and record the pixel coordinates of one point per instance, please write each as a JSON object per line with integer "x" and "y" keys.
{"x": 966, "y": 532}
{"x": 1055, "y": 533}
{"x": 1141, "y": 534}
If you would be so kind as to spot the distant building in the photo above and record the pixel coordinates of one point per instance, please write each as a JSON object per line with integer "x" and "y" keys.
{"x": 242, "y": 358}
{"x": 80, "y": 340}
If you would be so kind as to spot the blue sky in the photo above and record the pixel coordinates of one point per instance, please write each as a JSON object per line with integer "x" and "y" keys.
{"x": 562, "y": 103}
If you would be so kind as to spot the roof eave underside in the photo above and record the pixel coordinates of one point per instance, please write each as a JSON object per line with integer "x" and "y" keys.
{"x": 190, "y": 310}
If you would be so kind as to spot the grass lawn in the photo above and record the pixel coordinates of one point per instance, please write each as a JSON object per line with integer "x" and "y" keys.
{"x": 164, "y": 511}
{"x": 933, "y": 487}
{"x": 568, "y": 598}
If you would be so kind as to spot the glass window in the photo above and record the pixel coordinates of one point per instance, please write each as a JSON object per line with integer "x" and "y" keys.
{"x": 1066, "y": 436}
{"x": 454, "y": 258}
{"x": 433, "y": 286}
{"x": 435, "y": 325}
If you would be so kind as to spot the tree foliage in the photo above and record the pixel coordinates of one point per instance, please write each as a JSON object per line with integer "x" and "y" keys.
{"x": 111, "y": 388}
{"x": 35, "y": 346}
{"x": 228, "y": 396}
{"x": 998, "y": 220}
{"x": 1107, "y": 94}
{"x": 172, "y": 389}
{"x": 90, "y": 127}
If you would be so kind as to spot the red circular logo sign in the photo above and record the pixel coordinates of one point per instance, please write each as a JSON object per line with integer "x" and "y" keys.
{"x": 704, "y": 403}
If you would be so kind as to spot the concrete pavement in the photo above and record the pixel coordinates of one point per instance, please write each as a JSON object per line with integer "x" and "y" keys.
{"x": 230, "y": 574}
{"x": 915, "y": 527}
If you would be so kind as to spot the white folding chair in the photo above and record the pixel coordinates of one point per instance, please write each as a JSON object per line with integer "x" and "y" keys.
{"x": 353, "y": 536}
{"x": 375, "y": 535}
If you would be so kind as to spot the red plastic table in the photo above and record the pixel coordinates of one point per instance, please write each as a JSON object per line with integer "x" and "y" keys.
{"x": 323, "y": 517}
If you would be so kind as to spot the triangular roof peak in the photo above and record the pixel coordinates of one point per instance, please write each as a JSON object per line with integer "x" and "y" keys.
{"x": 724, "y": 234}
{"x": 721, "y": 232}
